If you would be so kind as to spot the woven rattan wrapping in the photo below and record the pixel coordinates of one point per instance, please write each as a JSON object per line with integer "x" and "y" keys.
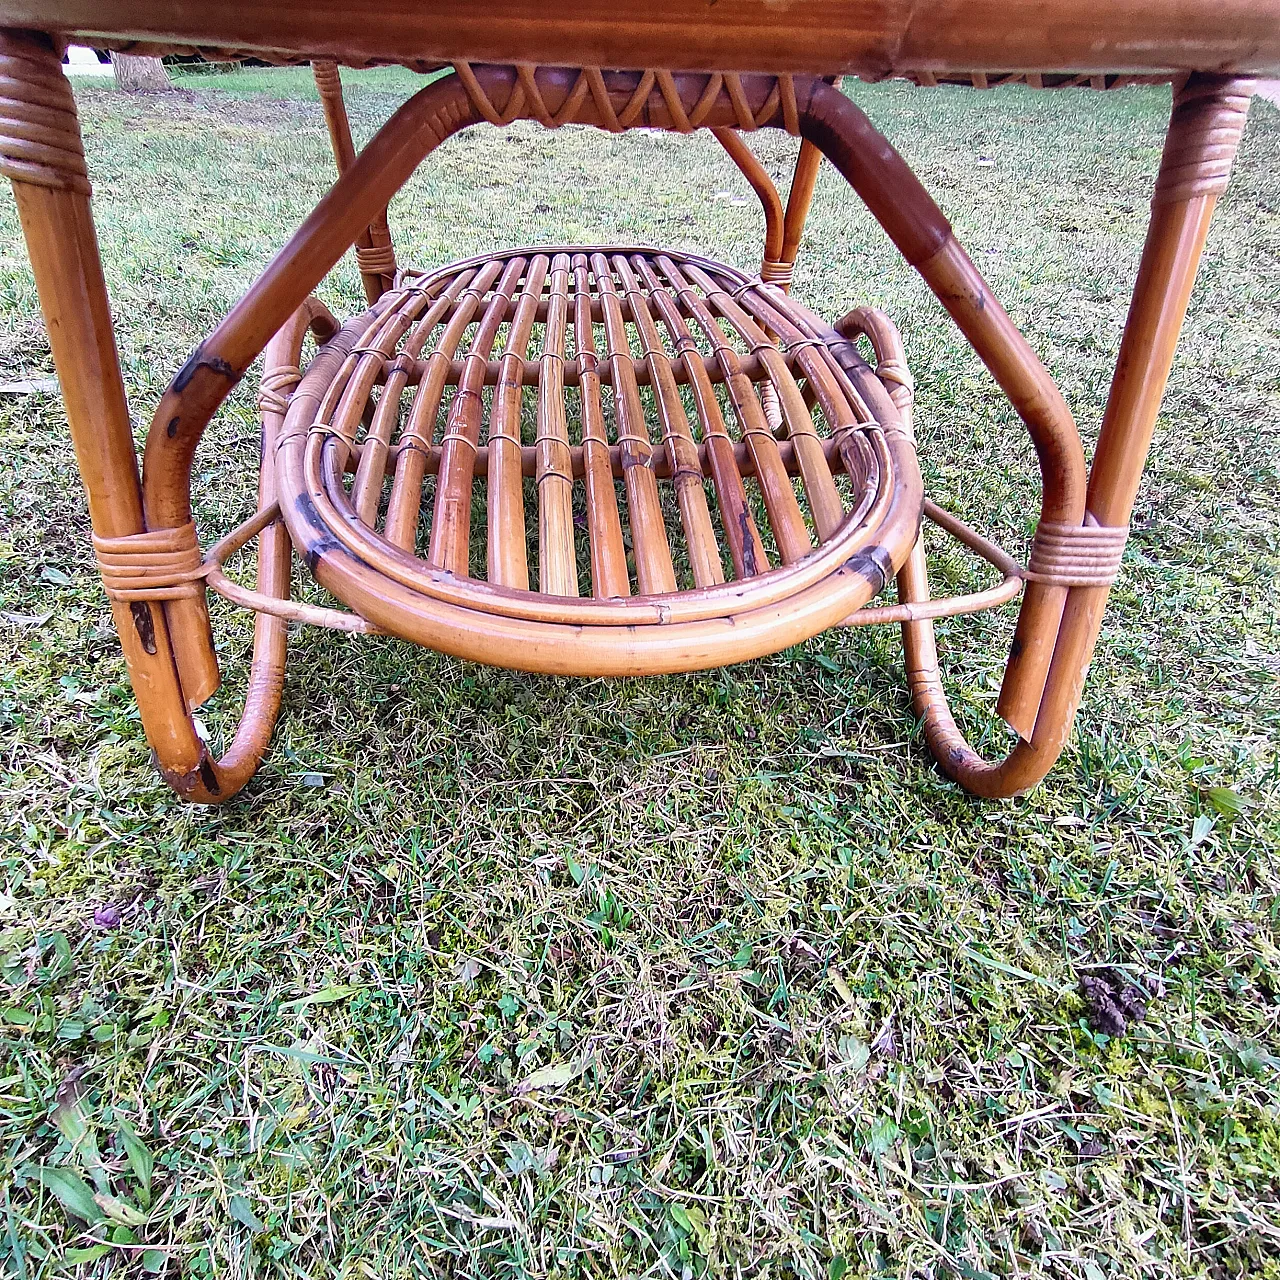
{"x": 525, "y": 100}
{"x": 162, "y": 564}
{"x": 1065, "y": 555}
{"x": 377, "y": 259}
{"x": 277, "y": 385}
{"x": 39, "y": 132}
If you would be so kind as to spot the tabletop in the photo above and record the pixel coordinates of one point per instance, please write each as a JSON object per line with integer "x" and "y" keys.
{"x": 873, "y": 38}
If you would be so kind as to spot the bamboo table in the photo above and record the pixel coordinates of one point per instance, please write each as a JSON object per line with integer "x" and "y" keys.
{"x": 764, "y": 457}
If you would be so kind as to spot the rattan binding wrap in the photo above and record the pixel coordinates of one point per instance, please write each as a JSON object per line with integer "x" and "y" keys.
{"x": 277, "y": 385}
{"x": 1207, "y": 123}
{"x": 1066, "y": 555}
{"x": 377, "y": 259}
{"x": 164, "y": 564}
{"x": 39, "y": 130}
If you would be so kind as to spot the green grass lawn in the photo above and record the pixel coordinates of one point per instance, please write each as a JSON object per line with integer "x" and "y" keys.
{"x": 490, "y": 974}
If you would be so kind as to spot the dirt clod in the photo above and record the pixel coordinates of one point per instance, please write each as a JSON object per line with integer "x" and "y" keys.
{"x": 1111, "y": 1002}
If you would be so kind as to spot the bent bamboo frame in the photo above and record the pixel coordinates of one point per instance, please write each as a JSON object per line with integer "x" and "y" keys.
{"x": 165, "y": 634}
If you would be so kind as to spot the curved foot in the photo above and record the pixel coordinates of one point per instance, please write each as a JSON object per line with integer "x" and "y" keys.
{"x": 214, "y": 781}
{"x": 1024, "y": 766}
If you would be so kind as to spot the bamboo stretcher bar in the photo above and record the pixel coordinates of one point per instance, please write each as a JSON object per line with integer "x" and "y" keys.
{"x": 334, "y": 619}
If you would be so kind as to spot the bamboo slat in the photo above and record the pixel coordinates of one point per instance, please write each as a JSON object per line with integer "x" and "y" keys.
{"x": 655, "y": 573}
{"x": 405, "y": 502}
{"x": 677, "y": 438}
{"x": 785, "y": 517}
{"x": 508, "y": 558}
{"x": 370, "y": 474}
{"x": 746, "y": 548}
{"x": 823, "y": 497}
{"x": 451, "y": 520}
{"x": 604, "y": 527}
{"x": 557, "y": 559}
{"x": 840, "y": 401}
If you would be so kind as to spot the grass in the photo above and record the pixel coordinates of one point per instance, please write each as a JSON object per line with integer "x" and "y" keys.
{"x": 495, "y": 975}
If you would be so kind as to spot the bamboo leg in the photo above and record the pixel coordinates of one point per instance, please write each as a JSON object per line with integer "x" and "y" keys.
{"x": 375, "y": 253}
{"x": 756, "y": 174}
{"x": 270, "y": 633}
{"x": 782, "y": 231}
{"x": 51, "y": 187}
{"x": 166, "y": 644}
{"x": 1208, "y": 118}
{"x": 800, "y": 198}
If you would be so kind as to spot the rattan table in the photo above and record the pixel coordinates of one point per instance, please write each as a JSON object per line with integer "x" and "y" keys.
{"x": 714, "y": 471}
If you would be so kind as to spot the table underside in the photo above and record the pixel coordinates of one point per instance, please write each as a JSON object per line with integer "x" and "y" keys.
{"x": 929, "y": 38}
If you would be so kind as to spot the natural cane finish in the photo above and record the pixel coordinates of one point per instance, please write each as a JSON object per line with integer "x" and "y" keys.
{"x": 708, "y": 581}
{"x": 678, "y": 465}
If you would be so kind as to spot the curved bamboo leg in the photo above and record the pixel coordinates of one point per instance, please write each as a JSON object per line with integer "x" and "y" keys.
{"x": 375, "y": 253}
{"x": 782, "y": 231}
{"x": 756, "y": 174}
{"x": 217, "y": 364}
{"x": 1208, "y": 118}
{"x": 281, "y": 372}
{"x": 913, "y": 221}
